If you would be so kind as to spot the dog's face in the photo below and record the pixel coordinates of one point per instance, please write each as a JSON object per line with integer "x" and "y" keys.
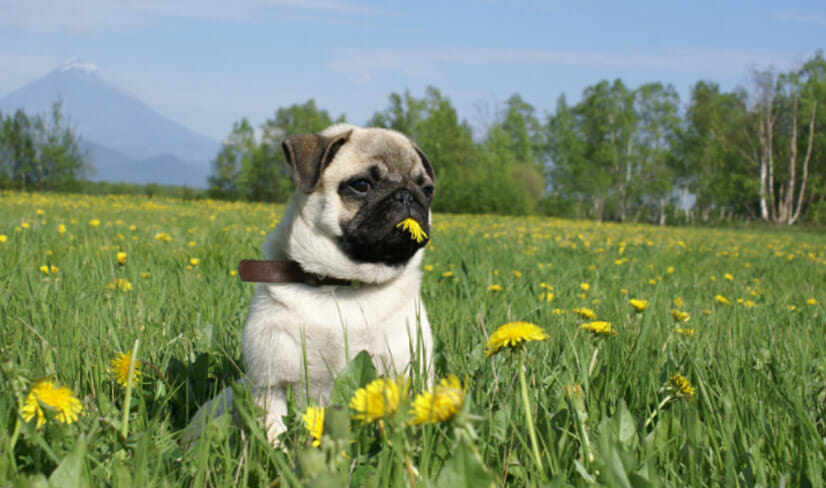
{"x": 357, "y": 186}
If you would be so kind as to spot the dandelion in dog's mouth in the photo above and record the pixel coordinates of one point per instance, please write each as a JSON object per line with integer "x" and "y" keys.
{"x": 413, "y": 228}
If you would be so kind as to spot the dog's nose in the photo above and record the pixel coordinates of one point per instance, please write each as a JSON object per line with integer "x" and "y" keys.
{"x": 404, "y": 197}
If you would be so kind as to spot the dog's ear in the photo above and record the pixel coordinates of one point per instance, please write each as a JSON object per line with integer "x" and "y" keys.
{"x": 309, "y": 155}
{"x": 428, "y": 168}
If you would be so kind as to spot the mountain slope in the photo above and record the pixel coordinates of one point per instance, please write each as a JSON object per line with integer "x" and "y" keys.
{"x": 110, "y": 119}
{"x": 164, "y": 169}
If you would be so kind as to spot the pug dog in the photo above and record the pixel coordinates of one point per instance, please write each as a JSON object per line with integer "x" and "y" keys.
{"x": 353, "y": 271}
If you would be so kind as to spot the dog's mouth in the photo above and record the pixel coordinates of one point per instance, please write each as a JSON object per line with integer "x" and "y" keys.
{"x": 389, "y": 231}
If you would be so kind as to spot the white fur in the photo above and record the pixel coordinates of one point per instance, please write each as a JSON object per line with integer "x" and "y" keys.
{"x": 296, "y": 332}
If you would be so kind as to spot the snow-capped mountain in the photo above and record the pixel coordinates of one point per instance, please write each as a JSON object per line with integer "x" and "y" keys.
{"x": 112, "y": 121}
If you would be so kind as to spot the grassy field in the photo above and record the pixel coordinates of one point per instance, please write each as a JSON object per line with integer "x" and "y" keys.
{"x": 747, "y": 408}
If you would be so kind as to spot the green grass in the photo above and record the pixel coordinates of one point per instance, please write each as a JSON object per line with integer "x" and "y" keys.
{"x": 758, "y": 365}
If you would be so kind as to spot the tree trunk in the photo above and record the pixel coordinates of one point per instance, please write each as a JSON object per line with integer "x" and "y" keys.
{"x": 764, "y": 168}
{"x": 793, "y": 217}
{"x": 784, "y": 213}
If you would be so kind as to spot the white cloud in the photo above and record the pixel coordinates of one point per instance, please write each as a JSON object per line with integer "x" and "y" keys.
{"x": 83, "y": 16}
{"x": 804, "y": 18}
{"x": 359, "y": 65}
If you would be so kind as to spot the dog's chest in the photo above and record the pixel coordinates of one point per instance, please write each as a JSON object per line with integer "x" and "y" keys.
{"x": 324, "y": 328}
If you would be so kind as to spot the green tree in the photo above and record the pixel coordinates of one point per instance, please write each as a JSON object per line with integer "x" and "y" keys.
{"x": 713, "y": 170}
{"x": 607, "y": 124}
{"x": 40, "y": 152}
{"x": 227, "y": 165}
{"x": 658, "y": 130}
{"x": 507, "y": 189}
{"x": 568, "y": 169}
{"x": 251, "y": 164}
{"x": 799, "y": 98}
{"x": 59, "y": 163}
{"x": 403, "y": 113}
{"x": 812, "y": 79}
{"x": 524, "y": 132}
{"x": 19, "y": 152}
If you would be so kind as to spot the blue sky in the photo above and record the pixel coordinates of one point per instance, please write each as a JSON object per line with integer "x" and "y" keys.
{"x": 207, "y": 63}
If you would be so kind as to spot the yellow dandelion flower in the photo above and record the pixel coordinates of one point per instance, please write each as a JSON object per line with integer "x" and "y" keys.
{"x": 728, "y": 276}
{"x": 811, "y": 301}
{"x": 722, "y": 299}
{"x": 670, "y": 270}
{"x": 119, "y": 367}
{"x": 439, "y": 404}
{"x": 447, "y": 274}
{"x": 314, "y": 423}
{"x": 59, "y": 400}
{"x": 749, "y": 304}
{"x": 680, "y": 385}
{"x": 144, "y": 275}
{"x": 599, "y": 327}
{"x": 638, "y": 304}
{"x": 94, "y": 223}
{"x": 678, "y": 302}
{"x": 414, "y": 229}
{"x": 61, "y": 229}
{"x": 517, "y": 274}
{"x": 121, "y": 257}
{"x": 119, "y": 284}
{"x": 194, "y": 262}
{"x": 512, "y": 335}
{"x": 546, "y": 297}
{"x": 652, "y": 281}
{"x": 428, "y": 267}
{"x": 558, "y": 311}
{"x": 3, "y": 238}
{"x": 163, "y": 237}
{"x": 791, "y": 308}
{"x": 585, "y": 313}
{"x": 233, "y": 272}
{"x": 26, "y": 225}
{"x": 585, "y": 286}
{"x": 380, "y": 398}
{"x": 685, "y": 332}
{"x": 680, "y": 316}
{"x": 623, "y": 291}
{"x": 49, "y": 269}
{"x": 495, "y": 288}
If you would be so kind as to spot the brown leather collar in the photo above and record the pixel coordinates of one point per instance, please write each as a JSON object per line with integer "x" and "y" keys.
{"x": 283, "y": 272}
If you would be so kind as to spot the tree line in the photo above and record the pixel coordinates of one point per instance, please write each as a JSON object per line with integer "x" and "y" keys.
{"x": 621, "y": 153}
{"x": 40, "y": 152}
{"x": 757, "y": 152}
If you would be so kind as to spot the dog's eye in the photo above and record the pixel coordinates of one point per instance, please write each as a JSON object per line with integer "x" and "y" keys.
{"x": 361, "y": 185}
{"x": 428, "y": 191}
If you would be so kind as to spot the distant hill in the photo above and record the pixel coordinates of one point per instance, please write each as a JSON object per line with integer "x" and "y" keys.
{"x": 164, "y": 169}
{"x": 128, "y": 141}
